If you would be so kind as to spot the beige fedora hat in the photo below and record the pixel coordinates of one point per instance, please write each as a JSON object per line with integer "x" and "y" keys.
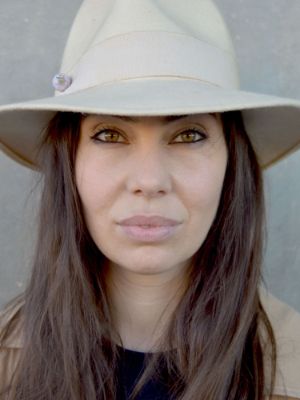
{"x": 151, "y": 57}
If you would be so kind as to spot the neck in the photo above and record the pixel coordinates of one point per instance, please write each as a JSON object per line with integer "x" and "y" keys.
{"x": 142, "y": 305}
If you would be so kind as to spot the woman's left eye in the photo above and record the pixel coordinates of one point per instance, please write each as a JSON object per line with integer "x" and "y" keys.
{"x": 190, "y": 136}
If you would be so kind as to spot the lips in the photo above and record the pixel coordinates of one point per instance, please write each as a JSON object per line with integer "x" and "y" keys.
{"x": 144, "y": 221}
{"x": 140, "y": 228}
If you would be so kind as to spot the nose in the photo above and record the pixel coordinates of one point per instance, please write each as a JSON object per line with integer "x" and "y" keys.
{"x": 150, "y": 174}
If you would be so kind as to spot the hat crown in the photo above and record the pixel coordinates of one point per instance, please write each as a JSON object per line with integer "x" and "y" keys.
{"x": 114, "y": 40}
{"x": 100, "y": 20}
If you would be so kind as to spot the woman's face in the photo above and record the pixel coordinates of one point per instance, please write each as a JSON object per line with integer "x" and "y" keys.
{"x": 150, "y": 187}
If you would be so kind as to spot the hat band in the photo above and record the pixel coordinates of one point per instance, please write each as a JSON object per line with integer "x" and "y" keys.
{"x": 153, "y": 54}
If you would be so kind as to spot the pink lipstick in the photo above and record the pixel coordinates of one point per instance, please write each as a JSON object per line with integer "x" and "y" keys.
{"x": 148, "y": 229}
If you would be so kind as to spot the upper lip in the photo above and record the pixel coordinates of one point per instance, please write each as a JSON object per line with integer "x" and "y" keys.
{"x": 143, "y": 220}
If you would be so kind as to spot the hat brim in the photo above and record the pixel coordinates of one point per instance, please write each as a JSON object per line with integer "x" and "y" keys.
{"x": 272, "y": 123}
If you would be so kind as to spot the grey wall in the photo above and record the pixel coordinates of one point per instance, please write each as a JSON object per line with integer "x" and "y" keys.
{"x": 266, "y": 34}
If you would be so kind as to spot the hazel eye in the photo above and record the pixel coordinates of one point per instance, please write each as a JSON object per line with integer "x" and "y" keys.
{"x": 189, "y": 136}
{"x": 109, "y": 136}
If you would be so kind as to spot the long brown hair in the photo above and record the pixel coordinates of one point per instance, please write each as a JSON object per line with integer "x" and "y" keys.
{"x": 70, "y": 349}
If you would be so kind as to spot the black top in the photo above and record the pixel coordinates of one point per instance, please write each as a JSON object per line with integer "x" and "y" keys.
{"x": 131, "y": 367}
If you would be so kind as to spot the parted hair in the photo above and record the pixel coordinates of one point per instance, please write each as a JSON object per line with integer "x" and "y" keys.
{"x": 70, "y": 346}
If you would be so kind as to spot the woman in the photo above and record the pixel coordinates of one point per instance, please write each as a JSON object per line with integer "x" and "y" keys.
{"x": 145, "y": 282}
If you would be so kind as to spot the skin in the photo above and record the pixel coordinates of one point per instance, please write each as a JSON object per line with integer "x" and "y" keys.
{"x": 149, "y": 167}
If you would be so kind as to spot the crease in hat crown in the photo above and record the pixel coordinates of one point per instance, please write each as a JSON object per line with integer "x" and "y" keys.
{"x": 130, "y": 39}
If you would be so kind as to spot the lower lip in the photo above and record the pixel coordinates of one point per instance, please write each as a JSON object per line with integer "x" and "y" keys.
{"x": 151, "y": 234}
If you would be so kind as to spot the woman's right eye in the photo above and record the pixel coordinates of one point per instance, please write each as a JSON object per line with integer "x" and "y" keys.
{"x": 109, "y": 136}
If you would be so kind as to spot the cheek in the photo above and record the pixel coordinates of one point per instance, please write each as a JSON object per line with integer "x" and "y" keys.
{"x": 201, "y": 176}
{"x": 204, "y": 211}
{"x": 93, "y": 184}
{"x": 204, "y": 191}
{"x": 203, "y": 188}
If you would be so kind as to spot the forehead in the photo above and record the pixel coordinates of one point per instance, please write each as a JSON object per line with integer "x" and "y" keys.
{"x": 168, "y": 118}
{"x": 162, "y": 119}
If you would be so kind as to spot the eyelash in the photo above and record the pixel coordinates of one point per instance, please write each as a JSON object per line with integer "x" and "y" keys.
{"x": 202, "y": 136}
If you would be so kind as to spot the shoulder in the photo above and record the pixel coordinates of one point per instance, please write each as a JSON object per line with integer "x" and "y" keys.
{"x": 10, "y": 316}
{"x": 10, "y": 343}
{"x": 285, "y": 322}
{"x": 283, "y": 398}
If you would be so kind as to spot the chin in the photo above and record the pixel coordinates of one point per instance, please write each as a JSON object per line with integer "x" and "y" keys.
{"x": 146, "y": 260}
{"x": 152, "y": 265}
